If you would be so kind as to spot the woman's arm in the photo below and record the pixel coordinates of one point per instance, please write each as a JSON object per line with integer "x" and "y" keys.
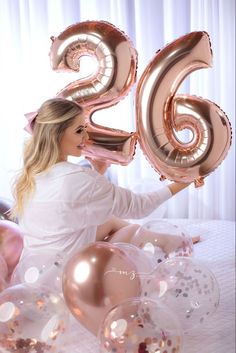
{"x": 98, "y": 165}
{"x": 176, "y": 187}
{"x": 101, "y": 167}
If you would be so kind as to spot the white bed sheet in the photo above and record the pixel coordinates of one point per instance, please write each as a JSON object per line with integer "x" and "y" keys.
{"x": 217, "y": 335}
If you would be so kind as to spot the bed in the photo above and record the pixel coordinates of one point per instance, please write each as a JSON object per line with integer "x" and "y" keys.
{"x": 217, "y": 335}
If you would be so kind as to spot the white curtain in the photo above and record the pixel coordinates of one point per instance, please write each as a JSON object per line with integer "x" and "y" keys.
{"x": 27, "y": 80}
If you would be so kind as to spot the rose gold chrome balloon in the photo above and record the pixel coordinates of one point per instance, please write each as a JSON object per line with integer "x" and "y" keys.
{"x": 95, "y": 279}
{"x": 112, "y": 80}
{"x": 161, "y": 113}
{"x": 11, "y": 244}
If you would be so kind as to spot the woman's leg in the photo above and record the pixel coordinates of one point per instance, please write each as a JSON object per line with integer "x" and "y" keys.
{"x": 116, "y": 230}
{"x": 109, "y": 228}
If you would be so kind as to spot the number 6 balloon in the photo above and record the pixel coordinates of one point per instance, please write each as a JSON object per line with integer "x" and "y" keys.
{"x": 160, "y": 113}
{"x": 106, "y": 86}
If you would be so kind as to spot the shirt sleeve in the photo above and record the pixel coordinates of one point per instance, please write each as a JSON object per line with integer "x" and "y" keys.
{"x": 107, "y": 199}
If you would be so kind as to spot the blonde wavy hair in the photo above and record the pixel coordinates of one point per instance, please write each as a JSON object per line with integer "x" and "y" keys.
{"x": 42, "y": 150}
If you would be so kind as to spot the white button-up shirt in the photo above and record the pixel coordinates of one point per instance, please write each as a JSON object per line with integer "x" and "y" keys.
{"x": 69, "y": 203}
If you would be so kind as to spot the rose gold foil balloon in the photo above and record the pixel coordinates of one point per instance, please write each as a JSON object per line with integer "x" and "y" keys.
{"x": 161, "y": 114}
{"x": 95, "y": 279}
{"x": 11, "y": 243}
{"x": 110, "y": 81}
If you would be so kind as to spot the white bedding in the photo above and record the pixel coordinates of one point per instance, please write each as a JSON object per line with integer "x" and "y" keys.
{"x": 217, "y": 335}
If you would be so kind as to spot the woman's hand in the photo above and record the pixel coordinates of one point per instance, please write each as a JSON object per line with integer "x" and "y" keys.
{"x": 99, "y": 165}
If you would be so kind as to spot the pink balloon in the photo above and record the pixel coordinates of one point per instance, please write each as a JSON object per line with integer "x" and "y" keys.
{"x": 3, "y": 268}
{"x": 11, "y": 243}
{"x": 3, "y": 284}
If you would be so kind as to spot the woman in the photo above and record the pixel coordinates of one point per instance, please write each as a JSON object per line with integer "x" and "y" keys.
{"x": 62, "y": 206}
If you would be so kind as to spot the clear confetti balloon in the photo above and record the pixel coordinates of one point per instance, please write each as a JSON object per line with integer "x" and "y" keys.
{"x": 143, "y": 264}
{"x": 152, "y": 234}
{"x": 139, "y": 325}
{"x": 32, "y": 320}
{"x": 40, "y": 268}
{"x": 187, "y": 287}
